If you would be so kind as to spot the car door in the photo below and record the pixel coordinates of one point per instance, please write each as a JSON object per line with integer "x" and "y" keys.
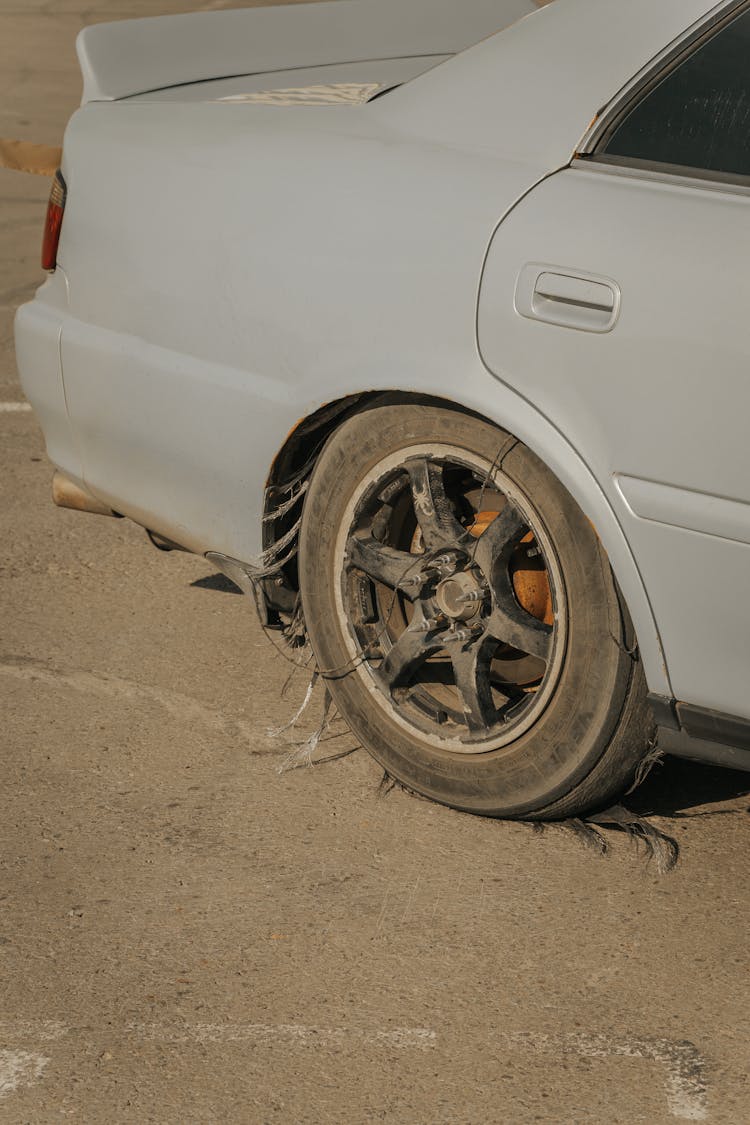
{"x": 616, "y": 298}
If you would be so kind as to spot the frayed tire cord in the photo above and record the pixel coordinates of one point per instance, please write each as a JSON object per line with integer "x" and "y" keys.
{"x": 660, "y": 848}
{"x": 275, "y": 732}
{"x": 654, "y": 757}
{"x": 286, "y": 506}
{"x": 302, "y": 755}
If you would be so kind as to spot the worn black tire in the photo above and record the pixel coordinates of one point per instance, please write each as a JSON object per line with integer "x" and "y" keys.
{"x": 586, "y": 746}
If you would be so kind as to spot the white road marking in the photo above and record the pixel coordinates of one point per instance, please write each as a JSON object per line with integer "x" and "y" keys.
{"x": 684, "y": 1083}
{"x": 263, "y": 1034}
{"x": 293, "y": 1034}
{"x": 181, "y": 707}
{"x": 685, "y": 1080}
{"x": 19, "y": 1068}
{"x": 15, "y": 407}
{"x": 23, "y": 1068}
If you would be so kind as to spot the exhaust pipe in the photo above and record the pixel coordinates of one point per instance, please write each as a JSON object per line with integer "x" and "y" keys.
{"x": 66, "y": 494}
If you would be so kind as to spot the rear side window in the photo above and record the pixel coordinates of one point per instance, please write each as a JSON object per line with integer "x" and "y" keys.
{"x": 699, "y": 116}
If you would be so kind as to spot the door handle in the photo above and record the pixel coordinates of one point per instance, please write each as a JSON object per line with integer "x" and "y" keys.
{"x": 570, "y": 300}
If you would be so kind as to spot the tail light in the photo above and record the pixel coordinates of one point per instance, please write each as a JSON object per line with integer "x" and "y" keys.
{"x": 53, "y": 222}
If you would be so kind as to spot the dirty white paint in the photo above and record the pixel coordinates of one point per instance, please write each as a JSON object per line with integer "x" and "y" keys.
{"x": 685, "y": 1078}
{"x": 272, "y": 1035}
{"x": 14, "y": 407}
{"x": 19, "y": 1068}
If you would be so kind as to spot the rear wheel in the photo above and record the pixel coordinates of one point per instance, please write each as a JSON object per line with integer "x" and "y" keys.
{"x": 466, "y": 617}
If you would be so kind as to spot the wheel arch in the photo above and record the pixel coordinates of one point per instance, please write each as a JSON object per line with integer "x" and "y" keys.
{"x": 504, "y": 408}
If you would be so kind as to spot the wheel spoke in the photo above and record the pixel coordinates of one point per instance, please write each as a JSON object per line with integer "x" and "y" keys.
{"x": 509, "y": 622}
{"x": 498, "y": 541}
{"x": 471, "y": 669}
{"x": 384, "y": 564}
{"x": 433, "y": 509}
{"x": 512, "y": 625}
{"x": 407, "y": 656}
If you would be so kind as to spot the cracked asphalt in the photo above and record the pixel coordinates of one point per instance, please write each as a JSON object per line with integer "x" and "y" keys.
{"x": 189, "y": 935}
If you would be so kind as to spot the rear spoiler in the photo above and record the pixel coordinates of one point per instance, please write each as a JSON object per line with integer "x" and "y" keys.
{"x": 119, "y": 60}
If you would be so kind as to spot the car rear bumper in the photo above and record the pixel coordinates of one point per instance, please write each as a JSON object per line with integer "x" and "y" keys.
{"x": 38, "y": 330}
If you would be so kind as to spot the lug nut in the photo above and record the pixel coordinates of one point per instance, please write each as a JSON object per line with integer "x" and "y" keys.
{"x": 440, "y": 567}
{"x": 433, "y": 571}
{"x": 430, "y": 623}
{"x": 465, "y": 634}
{"x": 471, "y": 597}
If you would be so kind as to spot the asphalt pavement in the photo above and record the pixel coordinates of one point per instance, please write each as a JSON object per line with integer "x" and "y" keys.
{"x": 188, "y": 933}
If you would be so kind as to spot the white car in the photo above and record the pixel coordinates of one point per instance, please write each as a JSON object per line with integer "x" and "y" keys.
{"x": 427, "y": 321}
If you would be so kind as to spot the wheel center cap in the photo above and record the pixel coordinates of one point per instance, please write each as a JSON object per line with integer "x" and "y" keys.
{"x": 460, "y": 596}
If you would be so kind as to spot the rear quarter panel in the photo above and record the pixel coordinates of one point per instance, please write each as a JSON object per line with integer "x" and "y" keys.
{"x": 232, "y": 267}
